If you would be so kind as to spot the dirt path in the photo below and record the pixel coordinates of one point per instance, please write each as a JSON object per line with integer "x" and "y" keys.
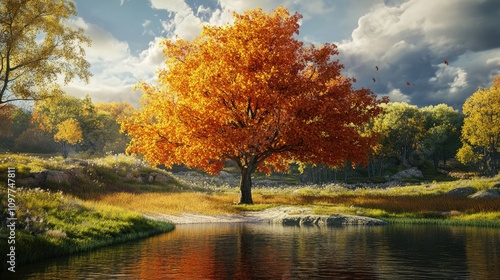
{"x": 247, "y": 217}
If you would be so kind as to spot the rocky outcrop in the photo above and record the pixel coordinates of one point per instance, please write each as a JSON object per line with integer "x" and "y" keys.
{"x": 46, "y": 176}
{"x": 324, "y": 220}
{"x": 302, "y": 216}
{"x": 82, "y": 173}
{"x": 155, "y": 177}
{"x": 462, "y": 192}
{"x": 59, "y": 177}
{"x": 491, "y": 193}
{"x": 408, "y": 173}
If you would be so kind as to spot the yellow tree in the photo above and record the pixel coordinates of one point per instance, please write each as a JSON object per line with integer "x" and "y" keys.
{"x": 481, "y": 129}
{"x": 37, "y": 46}
{"x": 252, "y": 93}
{"x": 69, "y": 133}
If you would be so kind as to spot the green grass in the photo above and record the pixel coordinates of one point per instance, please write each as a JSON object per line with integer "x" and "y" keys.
{"x": 52, "y": 224}
{"x": 445, "y": 222}
{"x": 96, "y": 177}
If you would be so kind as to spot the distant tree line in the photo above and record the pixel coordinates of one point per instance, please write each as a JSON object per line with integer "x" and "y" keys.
{"x": 408, "y": 136}
{"x": 428, "y": 138}
{"x": 63, "y": 123}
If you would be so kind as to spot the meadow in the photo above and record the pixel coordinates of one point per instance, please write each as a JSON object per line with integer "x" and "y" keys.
{"x": 101, "y": 208}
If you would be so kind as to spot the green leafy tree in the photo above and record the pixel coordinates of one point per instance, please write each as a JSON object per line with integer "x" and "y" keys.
{"x": 399, "y": 129}
{"x": 37, "y": 46}
{"x": 111, "y": 113}
{"x": 481, "y": 130}
{"x": 35, "y": 140}
{"x": 50, "y": 112}
{"x": 442, "y": 137}
{"x": 13, "y": 122}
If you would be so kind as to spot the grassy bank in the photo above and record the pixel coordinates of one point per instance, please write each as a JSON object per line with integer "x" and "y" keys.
{"x": 52, "y": 224}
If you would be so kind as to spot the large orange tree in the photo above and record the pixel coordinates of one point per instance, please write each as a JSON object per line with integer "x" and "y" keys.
{"x": 252, "y": 93}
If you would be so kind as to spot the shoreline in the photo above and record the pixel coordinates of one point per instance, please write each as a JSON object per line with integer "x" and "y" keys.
{"x": 301, "y": 216}
{"x": 285, "y": 215}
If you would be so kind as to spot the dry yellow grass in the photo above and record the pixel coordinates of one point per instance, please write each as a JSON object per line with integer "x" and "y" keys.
{"x": 173, "y": 203}
{"x": 195, "y": 203}
{"x": 224, "y": 203}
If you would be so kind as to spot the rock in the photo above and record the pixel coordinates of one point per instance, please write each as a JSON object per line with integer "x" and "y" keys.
{"x": 161, "y": 178}
{"x": 54, "y": 176}
{"x": 145, "y": 177}
{"x": 462, "y": 192}
{"x": 131, "y": 177}
{"x": 324, "y": 220}
{"x": 408, "y": 173}
{"x": 154, "y": 177}
{"x": 40, "y": 177}
{"x": 47, "y": 176}
{"x": 26, "y": 182}
{"x": 491, "y": 193}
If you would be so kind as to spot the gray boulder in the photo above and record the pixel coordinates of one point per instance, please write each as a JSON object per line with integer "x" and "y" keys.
{"x": 154, "y": 177}
{"x": 162, "y": 178}
{"x": 26, "y": 182}
{"x": 491, "y": 193}
{"x": 462, "y": 192}
{"x": 49, "y": 176}
{"x": 408, "y": 173}
{"x": 130, "y": 177}
{"x": 54, "y": 176}
{"x": 324, "y": 220}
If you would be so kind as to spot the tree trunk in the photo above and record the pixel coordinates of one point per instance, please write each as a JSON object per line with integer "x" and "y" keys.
{"x": 246, "y": 186}
{"x": 65, "y": 151}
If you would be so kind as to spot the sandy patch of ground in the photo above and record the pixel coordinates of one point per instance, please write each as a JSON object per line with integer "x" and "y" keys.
{"x": 266, "y": 216}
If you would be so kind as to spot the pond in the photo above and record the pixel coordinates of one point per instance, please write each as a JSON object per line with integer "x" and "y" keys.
{"x": 261, "y": 251}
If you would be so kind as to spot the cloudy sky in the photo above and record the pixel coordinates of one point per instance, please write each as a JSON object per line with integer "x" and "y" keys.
{"x": 408, "y": 41}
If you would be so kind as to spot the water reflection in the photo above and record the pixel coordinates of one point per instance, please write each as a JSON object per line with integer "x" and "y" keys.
{"x": 252, "y": 251}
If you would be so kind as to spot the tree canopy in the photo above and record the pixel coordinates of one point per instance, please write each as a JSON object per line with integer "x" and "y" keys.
{"x": 51, "y": 112}
{"x": 38, "y": 47}
{"x": 481, "y": 129}
{"x": 68, "y": 133}
{"x": 248, "y": 92}
{"x": 252, "y": 93}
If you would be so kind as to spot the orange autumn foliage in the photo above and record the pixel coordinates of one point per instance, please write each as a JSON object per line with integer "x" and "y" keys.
{"x": 252, "y": 93}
